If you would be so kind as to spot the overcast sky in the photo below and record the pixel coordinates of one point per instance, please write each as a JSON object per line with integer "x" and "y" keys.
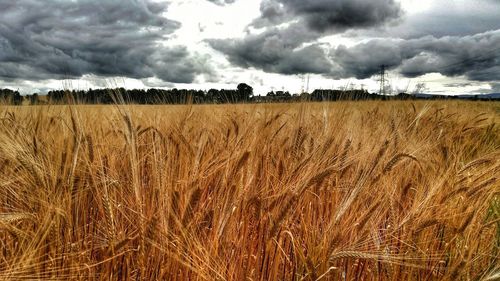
{"x": 453, "y": 46}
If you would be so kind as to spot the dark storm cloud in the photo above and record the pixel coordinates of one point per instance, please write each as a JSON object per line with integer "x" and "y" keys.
{"x": 221, "y": 2}
{"x": 276, "y": 51}
{"x": 447, "y": 39}
{"x": 329, "y": 16}
{"x": 57, "y": 39}
{"x": 281, "y": 49}
{"x": 477, "y": 57}
{"x": 364, "y": 60}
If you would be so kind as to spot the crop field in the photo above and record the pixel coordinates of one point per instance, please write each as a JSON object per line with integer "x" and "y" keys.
{"x": 308, "y": 191}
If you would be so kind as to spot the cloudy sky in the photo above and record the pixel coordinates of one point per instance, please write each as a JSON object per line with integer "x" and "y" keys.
{"x": 453, "y": 46}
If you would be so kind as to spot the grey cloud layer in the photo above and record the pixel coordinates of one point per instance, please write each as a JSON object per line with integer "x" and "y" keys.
{"x": 477, "y": 56}
{"x": 280, "y": 48}
{"x": 56, "y": 39}
{"x": 275, "y": 51}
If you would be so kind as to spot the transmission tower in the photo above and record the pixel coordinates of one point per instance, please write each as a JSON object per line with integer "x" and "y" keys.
{"x": 382, "y": 78}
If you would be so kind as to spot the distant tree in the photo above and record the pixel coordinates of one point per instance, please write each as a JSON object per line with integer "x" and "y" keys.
{"x": 229, "y": 96}
{"x": 34, "y": 99}
{"x": 213, "y": 96}
{"x": 283, "y": 94}
{"x": 8, "y": 96}
{"x": 245, "y": 92}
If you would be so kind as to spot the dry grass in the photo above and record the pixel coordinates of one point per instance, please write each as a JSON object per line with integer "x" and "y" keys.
{"x": 333, "y": 191}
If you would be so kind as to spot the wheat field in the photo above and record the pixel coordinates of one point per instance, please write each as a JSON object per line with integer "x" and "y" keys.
{"x": 306, "y": 191}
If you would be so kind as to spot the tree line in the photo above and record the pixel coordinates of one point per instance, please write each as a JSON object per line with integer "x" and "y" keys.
{"x": 242, "y": 94}
{"x": 8, "y": 96}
